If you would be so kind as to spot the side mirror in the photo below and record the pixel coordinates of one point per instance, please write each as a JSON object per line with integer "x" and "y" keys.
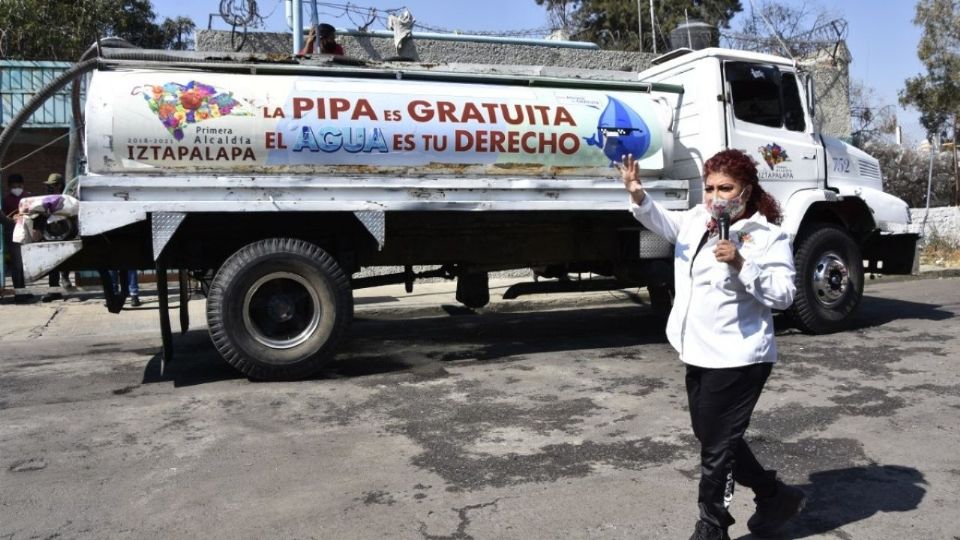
{"x": 810, "y": 91}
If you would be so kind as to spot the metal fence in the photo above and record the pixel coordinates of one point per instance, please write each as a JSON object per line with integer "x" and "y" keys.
{"x": 20, "y": 80}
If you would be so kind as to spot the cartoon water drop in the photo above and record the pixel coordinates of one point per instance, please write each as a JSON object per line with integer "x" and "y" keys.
{"x": 620, "y": 131}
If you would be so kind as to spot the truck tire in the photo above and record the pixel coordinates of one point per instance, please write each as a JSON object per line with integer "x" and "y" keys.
{"x": 473, "y": 289}
{"x": 277, "y": 309}
{"x": 829, "y": 280}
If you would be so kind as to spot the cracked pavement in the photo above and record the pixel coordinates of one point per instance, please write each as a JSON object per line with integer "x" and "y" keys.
{"x": 558, "y": 423}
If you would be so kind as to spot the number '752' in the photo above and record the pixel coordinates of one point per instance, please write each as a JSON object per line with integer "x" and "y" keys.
{"x": 841, "y": 165}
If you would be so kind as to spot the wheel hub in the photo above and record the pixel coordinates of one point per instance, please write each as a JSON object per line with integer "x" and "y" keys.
{"x": 281, "y": 310}
{"x": 830, "y": 279}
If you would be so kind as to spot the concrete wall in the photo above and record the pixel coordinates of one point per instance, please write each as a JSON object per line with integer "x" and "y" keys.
{"x": 831, "y": 75}
{"x": 435, "y": 51}
{"x": 830, "y": 71}
{"x": 35, "y": 165}
{"x": 943, "y": 222}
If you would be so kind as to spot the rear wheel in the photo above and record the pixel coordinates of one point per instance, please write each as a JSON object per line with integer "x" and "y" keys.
{"x": 829, "y": 280}
{"x": 277, "y": 309}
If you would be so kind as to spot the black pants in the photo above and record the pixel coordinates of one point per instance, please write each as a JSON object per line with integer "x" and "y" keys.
{"x": 54, "y": 278}
{"x": 721, "y": 403}
{"x": 16, "y": 265}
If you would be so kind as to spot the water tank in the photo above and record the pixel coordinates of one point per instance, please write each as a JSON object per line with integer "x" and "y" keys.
{"x": 193, "y": 122}
{"x": 695, "y": 35}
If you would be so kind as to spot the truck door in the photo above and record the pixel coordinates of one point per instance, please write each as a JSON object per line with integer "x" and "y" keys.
{"x": 767, "y": 119}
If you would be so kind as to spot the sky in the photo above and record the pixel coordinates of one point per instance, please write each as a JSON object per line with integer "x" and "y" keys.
{"x": 881, "y": 37}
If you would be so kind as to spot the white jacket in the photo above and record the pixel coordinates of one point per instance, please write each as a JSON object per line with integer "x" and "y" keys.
{"x": 722, "y": 318}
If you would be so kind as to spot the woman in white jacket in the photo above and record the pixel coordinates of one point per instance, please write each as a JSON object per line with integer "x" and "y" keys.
{"x": 722, "y": 326}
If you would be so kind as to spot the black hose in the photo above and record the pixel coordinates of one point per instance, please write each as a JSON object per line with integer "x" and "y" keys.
{"x": 81, "y": 68}
{"x": 75, "y": 88}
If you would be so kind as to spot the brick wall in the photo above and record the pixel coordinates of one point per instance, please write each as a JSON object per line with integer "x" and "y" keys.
{"x": 37, "y": 167}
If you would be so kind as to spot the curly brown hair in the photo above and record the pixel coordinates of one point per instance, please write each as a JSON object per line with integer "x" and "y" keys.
{"x": 741, "y": 167}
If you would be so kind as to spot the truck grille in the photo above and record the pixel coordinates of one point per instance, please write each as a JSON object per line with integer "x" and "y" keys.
{"x": 868, "y": 169}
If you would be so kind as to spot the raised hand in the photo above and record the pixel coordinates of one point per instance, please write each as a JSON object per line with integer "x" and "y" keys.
{"x": 630, "y": 174}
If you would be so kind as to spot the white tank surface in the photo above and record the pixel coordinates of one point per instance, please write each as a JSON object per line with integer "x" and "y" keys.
{"x": 170, "y": 122}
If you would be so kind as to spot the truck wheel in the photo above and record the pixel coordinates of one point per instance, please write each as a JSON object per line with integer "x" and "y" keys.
{"x": 473, "y": 289}
{"x": 829, "y": 280}
{"x": 277, "y": 309}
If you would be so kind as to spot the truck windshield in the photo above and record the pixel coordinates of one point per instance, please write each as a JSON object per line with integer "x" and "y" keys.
{"x": 763, "y": 95}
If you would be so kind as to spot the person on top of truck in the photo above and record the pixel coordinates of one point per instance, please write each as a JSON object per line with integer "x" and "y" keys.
{"x": 722, "y": 326}
{"x": 328, "y": 41}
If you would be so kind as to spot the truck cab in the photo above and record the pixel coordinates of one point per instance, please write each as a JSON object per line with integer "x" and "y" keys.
{"x": 831, "y": 193}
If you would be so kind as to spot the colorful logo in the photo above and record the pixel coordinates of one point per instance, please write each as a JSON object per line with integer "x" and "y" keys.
{"x": 177, "y": 105}
{"x": 620, "y": 131}
{"x": 773, "y": 154}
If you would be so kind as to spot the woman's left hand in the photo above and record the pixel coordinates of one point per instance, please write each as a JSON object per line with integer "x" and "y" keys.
{"x": 726, "y": 251}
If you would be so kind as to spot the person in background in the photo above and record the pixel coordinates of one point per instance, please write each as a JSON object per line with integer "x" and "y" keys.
{"x": 133, "y": 287}
{"x": 722, "y": 326}
{"x": 9, "y": 207}
{"x": 54, "y": 186}
{"x": 328, "y": 40}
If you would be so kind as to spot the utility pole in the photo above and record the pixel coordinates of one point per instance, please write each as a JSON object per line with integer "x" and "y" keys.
{"x": 956, "y": 169}
{"x": 653, "y": 28}
{"x": 297, "y": 26}
{"x": 640, "y": 23}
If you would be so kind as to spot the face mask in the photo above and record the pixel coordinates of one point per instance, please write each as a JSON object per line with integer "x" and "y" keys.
{"x": 732, "y": 207}
{"x": 17, "y": 191}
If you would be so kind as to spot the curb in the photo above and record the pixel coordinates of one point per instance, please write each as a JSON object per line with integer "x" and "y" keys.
{"x": 939, "y": 273}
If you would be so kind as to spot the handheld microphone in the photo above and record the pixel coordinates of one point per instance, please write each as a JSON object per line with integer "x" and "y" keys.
{"x": 723, "y": 225}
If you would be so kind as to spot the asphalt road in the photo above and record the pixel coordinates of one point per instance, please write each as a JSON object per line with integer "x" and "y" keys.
{"x": 564, "y": 423}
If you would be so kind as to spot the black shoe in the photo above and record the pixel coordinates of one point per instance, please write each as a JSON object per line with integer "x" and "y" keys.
{"x": 22, "y": 298}
{"x": 135, "y": 301}
{"x": 706, "y": 531}
{"x": 50, "y": 297}
{"x": 775, "y": 511}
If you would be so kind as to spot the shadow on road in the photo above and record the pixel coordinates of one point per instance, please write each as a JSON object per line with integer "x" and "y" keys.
{"x": 876, "y": 311}
{"x": 494, "y": 337}
{"x": 379, "y": 346}
{"x": 195, "y": 362}
{"x": 839, "y": 497}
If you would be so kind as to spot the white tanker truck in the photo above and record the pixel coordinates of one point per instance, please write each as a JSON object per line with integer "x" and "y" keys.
{"x": 283, "y": 181}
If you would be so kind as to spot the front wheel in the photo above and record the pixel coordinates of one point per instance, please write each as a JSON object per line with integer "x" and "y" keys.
{"x": 277, "y": 308}
{"x": 829, "y": 280}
